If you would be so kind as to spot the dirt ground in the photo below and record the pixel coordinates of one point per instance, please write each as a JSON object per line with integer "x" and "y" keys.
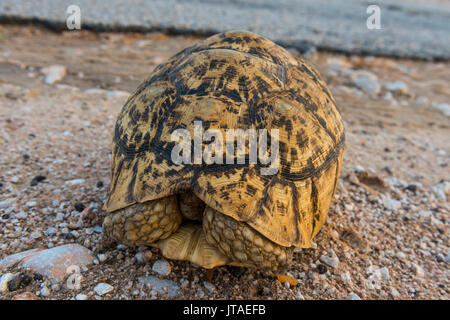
{"x": 388, "y": 225}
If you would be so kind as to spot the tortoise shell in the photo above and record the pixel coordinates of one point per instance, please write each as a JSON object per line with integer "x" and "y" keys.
{"x": 234, "y": 80}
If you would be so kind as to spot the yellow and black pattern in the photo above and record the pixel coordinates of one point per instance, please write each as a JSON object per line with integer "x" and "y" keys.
{"x": 234, "y": 80}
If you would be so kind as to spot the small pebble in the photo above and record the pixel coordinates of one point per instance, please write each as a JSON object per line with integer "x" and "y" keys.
{"x": 210, "y": 287}
{"x": 353, "y": 296}
{"x": 103, "y": 288}
{"x": 394, "y": 292}
{"x": 4, "y": 280}
{"x": 45, "y": 292}
{"x": 161, "y": 267}
{"x": 102, "y": 257}
{"x": 37, "y": 179}
{"x": 299, "y": 296}
{"x": 332, "y": 262}
{"x": 322, "y": 268}
{"x": 54, "y": 73}
{"x": 50, "y": 231}
{"x": 79, "y": 206}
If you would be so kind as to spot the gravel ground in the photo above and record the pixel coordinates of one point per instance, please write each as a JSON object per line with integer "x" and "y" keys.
{"x": 418, "y": 28}
{"x": 387, "y": 232}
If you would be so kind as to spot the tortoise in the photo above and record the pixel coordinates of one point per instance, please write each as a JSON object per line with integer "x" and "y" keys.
{"x": 215, "y": 214}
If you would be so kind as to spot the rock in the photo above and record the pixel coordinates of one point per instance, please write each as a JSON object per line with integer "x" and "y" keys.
{"x": 36, "y": 235}
{"x": 21, "y": 215}
{"x": 59, "y": 216}
{"x": 103, "y": 288}
{"x": 394, "y": 292}
{"x": 75, "y": 182}
{"x": 25, "y": 296}
{"x": 440, "y": 257}
{"x": 443, "y": 107}
{"x": 422, "y": 100}
{"x": 6, "y": 203}
{"x": 161, "y": 286}
{"x": 438, "y": 223}
{"x": 358, "y": 169}
{"x": 144, "y": 256}
{"x": 384, "y": 272}
{"x": 366, "y": 81}
{"x": 16, "y": 258}
{"x": 67, "y": 87}
{"x": 346, "y": 90}
{"x": 102, "y": 257}
{"x": 52, "y": 263}
{"x": 299, "y": 296}
{"x": 338, "y": 63}
{"x": 398, "y": 87}
{"x": 31, "y": 204}
{"x": 36, "y": 180}
{"x": 418, "y": 270}
{"x": 391, "y": 204}
{"x": 392, "y": 181}
{"x": 210, "y": 287}
{"x": 14, "y": 179}
{"x": 95, "y": 91}
{"x": 81, "y": 296}
{"x": 98, "y": 229}
{"x": 441, "y": 190}
{"x": 87, "y": 214}
{"x": 330, "y": 261}
{"x": 377, "y": 276}
{"x": 334, "y": 235}
{"x": 121, "y": 247}
{"x": 50, "y": 231}
{"x": 367, "y": 85}
{"x": 389, "y": 97}
{"x": 45, "y": 292}
{"x": 200, "y": 294}
{"x": 162, "y": 267}
{"x": 346, "y": 277}
{"x": 4, "y": 280}
{"x": 117, "y": 94}
{"x": 322, "y": 268}
{"x": 400, "y": 255}
{"x": 79, "y": 206}
{"x": 54, "y": 73}
{"x": 353, "y": 296}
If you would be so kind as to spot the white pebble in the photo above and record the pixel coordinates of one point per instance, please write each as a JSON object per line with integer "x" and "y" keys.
{"x": 353, "y": 296}
{"x": 162, "y": 267}
{"x": 299, "y": 296}
{"x": 75, "y": 181}
{"x": 7, "y": 277}
{"x": 330, "y": 261}
{"x": 103, "y": 288}
{"x": 45, "y": 292}
{"x": 81, "y": 296}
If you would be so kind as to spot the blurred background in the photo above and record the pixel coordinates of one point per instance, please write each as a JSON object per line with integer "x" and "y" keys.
{"x": 408, "y": 28}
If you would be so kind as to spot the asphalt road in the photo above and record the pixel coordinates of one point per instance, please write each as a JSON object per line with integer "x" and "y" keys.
{"x": 416, "y": 29}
